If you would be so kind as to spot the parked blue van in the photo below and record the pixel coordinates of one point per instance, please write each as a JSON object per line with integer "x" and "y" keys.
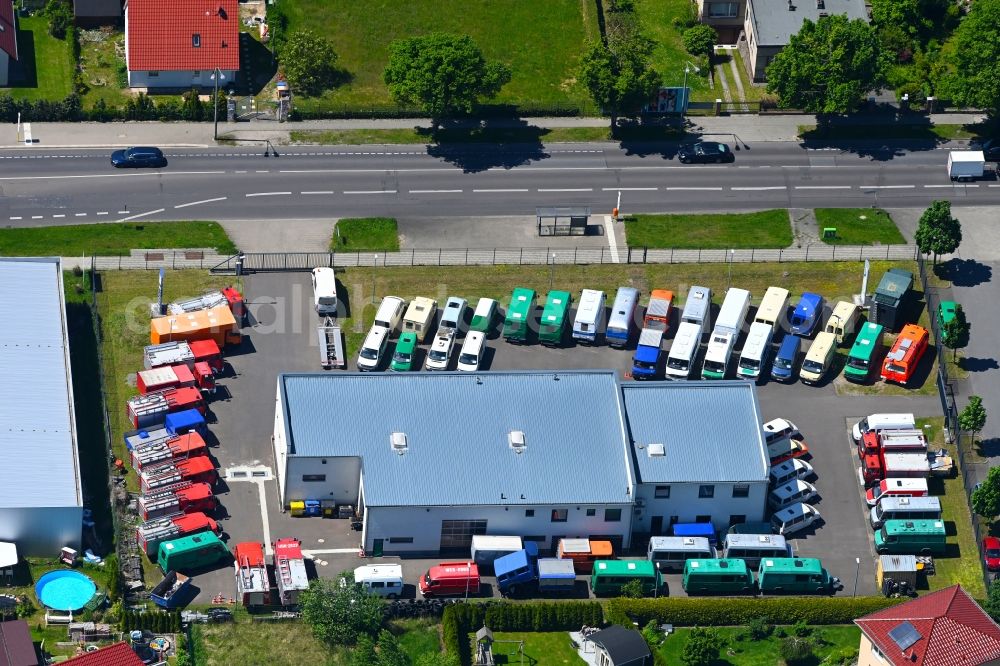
{"x": 783, "y": 368}
{"x": 807, "y": 314}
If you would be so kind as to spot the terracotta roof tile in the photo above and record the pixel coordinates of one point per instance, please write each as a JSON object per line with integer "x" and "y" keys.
{"x": 119, "y": 654}
{"x": 952, "y": 628}
{"x": 8, "y": 33}
{"x": 161, "y": 37}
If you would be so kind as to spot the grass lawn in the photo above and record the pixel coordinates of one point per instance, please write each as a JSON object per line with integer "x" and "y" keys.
{"x": 99, "y": 64}
{"x": 46, "y": 62}
{"x": 942, "y": 132}
{"x": 858, "y": 226}
{"x": 365, "y": 234}
{"x": 764, "y": 229}
{"x": 835, "y": 643}
{"x": 541, "y": 42}
{"x": 113, "y": 238}
{"x": 657, "y": 20}
{"x": 961, "y": 563}
{"x": 417, "y": 637}
{"x": 271, "y": 643}
{"x": 527, "y": 134}
{"x": 540, "y": 648}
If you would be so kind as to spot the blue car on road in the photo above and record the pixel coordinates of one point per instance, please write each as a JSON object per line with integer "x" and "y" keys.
{"x": 807, "y": 314}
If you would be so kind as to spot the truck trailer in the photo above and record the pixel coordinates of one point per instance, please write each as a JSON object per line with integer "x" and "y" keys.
{"x": 190, "y": 445}
{"x": 183, "y": 497}
{"x": 152, "y": 533}
{"x": 966, "y": 164}
{"x": 195, "y": 470}
{"x": 289, "y": 571}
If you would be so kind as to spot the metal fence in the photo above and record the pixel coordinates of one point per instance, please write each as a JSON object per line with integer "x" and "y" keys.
{"x": 953, "y": 432}
{"x": 260, "y": 262}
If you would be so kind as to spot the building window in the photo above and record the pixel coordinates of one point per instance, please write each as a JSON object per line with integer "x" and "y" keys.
{"x": 741, "y": 490}
{"x": 723, "y": 9}
{"x": 737, "y": 519}
{"x": 591, "y": 513}
{"x": 313, "y": 477}
{"x": 706, "y": 491}
{"x": 662, "y": 492}
{"x": 196, "y": 40}
{"x": 152, "y": 74}
{"x": 529, "y": 513}
{"x": 457, "y": 534}
{"x": 400, "y": 539}
{"x": 560, "y": 515}
{"x": 612, "y": 515}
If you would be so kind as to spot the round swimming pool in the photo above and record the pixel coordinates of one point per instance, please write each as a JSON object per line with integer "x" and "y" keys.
{"x": 65, "y": 590}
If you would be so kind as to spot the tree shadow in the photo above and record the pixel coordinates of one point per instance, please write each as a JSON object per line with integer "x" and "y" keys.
{"x": 973, "y": 364}
{"x": 492, "y": 143}
{"x": 964, "y": 272}
{"x": 904, "y": 132}
{"x": 988, "y": 448}
{"x": 654, "y": 137}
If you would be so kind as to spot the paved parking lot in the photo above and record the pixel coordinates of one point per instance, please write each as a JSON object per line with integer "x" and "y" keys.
{"x": 282, "y": 339}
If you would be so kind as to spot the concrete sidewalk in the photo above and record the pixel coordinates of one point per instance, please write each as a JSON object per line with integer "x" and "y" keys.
{"x": 746, "y": 128}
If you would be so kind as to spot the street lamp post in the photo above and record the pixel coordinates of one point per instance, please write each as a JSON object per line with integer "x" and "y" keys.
{"x": 687, "y": 68}
{"x": 732, "y": 255}
{"x": 552, "y": 268}
{"x": 374, "y": 266}
{"x": 216, "y": 76}
{"x": 857, "y": 570}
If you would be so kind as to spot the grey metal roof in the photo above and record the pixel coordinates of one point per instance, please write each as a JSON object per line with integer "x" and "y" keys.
{"x": 775, "y": 23}
{"x": 710, "y": 431}
{"x": 97, "y": 8}
{"x": 457, "y": 427}
{"x": 38, "y": 457}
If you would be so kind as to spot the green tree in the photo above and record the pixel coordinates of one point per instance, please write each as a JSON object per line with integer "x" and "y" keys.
{"x": 60, "y": 16}
{"x": 986, "y": 497}
{"x": 632, "y": 589}
{"x": 975, "y": 80}
{"x": 829, "y": 66}
{"x": 389, "y": 651}
{"x": 795, "y": 648}
{"x": 973, "y": 417}
{"x": 363, "y": 652}
{"x": 992, "y": 605}
{"x": 619, "y": 77}
{"x": 308, "y": 60}
{"x": 114, "y": 577}
{"x": 443, "y": 73}
{"x": 339, "y": 615}
{"x": 955, "y": 332}
{"x": 437, "y": 659}
{"x": 702, "y": 647}
{"x": 938, "y": 232}
{"x": 700, "y": 40}
{"x": 920, "y": 19}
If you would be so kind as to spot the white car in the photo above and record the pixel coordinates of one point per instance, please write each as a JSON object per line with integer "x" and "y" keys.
{"x": 440, "y": 351}
{"x": 778, "y": 429}
{"x": 471, "y": 354}
{"x": 373, "y": 348}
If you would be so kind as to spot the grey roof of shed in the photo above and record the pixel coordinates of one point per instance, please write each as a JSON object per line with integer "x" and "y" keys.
{"x": 457, "y": 427}
{"x": 110, "y": 9}
{"x": 710, "y": 431}
{"x": 38, "y": 456}
{"x": 774, "y": 23}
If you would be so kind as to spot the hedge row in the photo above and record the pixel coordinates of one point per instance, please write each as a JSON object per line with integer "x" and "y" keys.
{"x": 187, "y": 107}
{"x": 159, "y": 622}
{"x": 729, "y": 611}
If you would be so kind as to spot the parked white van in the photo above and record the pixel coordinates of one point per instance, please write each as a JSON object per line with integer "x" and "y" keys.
{"x": 756, "y": 351}
{"x": 880, "y": 422}
{"x": 670, "y": 553}
{"x": 453, "y": 315}
{"x": 383, "y": 580}
{"x": 905, "y": 508}
{"x": 419, "y": 317}
{"x": 790, "y": 493}
{"x": 373, "y": 348}
{"x": 683, "y": 350}
{"x": 790, "y": 470}
{"x": 794, "y": 518}
{"x": 778, "y": 429}
{"x": 698, "y": 307}
{"x": 589, "y": 316}
{"x": 843, "y": 320}
{"x": 390, "y": 313}
{"x": 324, "y": 285}
{"x": 471, "y": 354}
{"x": 773, "y": 307}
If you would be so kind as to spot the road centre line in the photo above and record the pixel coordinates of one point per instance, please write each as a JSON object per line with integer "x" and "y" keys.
{"x": 822, "y": 187}
{"x": 435, "y": 191}
{"x": 758, "y": 189}
{"x": 503, "y": 190}
{"x": 115, "y": 175}
{"x": 930, "y": 186}
{"x": 316, "y": 192}
{"x": 203, "y": 201}
{"x": 566, "y": 189}
{"x": 369, "y": 191}
{"x": 693, "y": 189}
{"x": 887, "y": 187}
{"x": 629, "y": 189}
{"x": 266, "y": 194}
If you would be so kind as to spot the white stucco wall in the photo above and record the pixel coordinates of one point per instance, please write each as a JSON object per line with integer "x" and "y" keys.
{"x": 181, "y": 78}
{"x": 686, "y": 505}
{"x": 341, "y": 483}
{"x": 41, "y": 531}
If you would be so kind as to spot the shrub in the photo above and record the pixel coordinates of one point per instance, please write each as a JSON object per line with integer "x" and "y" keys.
{"x": 60, "y": 16}
{"x": 652, "y": 635}
{"x": 632, "y": 589}
{"x": 702, "y": 647}
{"x": 758, "y": 629}
{"x": 801, "y": 629}
{"x": 795, "y": 649}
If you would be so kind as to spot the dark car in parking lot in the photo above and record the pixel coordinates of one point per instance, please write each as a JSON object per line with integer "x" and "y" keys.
{"x": 138, "y": 156}
{"x": 705, "y": 151}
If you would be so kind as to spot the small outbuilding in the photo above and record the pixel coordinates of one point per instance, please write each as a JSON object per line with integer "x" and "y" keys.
{"x": 618, "y": 646}
{"x": 889, "y": 305}
{"x": 16, "y": 646}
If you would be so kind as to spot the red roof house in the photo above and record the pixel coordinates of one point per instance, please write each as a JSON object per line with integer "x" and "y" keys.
{"x": 181, "y": 48}
{"x": 8, "y": 39}
{"x": 944, "y": 628}
{"x": 119, "y": 654}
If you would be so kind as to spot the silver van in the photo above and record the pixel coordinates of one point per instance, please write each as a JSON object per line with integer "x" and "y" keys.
{"x": 698, "y": 307}
{"x": 790, "y": 470}
{"x": 791, "y": 493}
{"x": 390, "y": 313}
{"x": 453, "y": 315}
{"x": 905, "y": 508}
{"x": 373, "y": 348}
{"x": 670, "y": 553}
{"x": 794, "y": 518}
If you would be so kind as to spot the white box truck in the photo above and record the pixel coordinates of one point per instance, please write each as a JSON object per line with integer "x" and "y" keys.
{"x": 966, "y": 164}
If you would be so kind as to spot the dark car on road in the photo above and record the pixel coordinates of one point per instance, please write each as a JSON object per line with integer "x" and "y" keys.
{"x": 990, "y": 148}
{"x": 705, "y": 151}
{"x": 138, "y": 157}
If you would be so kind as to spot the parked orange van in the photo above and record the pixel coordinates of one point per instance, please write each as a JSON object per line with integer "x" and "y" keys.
{"x": 585, "y": 552}
{"x": 450, "y": 579}
{"x": 902, "y": 360}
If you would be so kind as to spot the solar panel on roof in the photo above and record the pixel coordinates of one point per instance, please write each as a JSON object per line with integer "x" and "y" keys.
{"x": 905, "y": 635}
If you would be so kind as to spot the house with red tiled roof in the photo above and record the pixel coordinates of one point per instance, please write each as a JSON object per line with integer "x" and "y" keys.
{"x": 181, "y": 44}
{"x": 8, "y": 39}
{"x": 944, "y": 628}
{"x": 119, "y": 654}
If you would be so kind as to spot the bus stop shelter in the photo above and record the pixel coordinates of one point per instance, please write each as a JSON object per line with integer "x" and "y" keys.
{"x": 562, "y": 220}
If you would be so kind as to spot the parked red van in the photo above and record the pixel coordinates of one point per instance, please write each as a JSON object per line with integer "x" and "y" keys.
{"x": 450, "y": 579}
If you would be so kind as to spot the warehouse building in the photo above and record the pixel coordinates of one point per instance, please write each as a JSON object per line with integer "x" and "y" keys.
{"x": 432, "y": 459}
{"x": 429, "y": 460}
{"x": 41, "y": 506}
{"x": 699, "y": 454}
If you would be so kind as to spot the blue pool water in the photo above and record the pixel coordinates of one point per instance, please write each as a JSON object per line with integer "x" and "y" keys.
{"x": 65, "y": 590}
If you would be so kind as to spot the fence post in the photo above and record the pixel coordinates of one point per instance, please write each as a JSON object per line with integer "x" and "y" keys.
{"x": 576, "y": 251}
{"x": 807, "y": 252}
{"x": 699, "y": 255}
{"x": 439, "y": 256}
{"x": 752, "y": 251}
{"x": 671, "y": 255}
{"x": 494, "y": 256}
{"x": 520, "y": 257}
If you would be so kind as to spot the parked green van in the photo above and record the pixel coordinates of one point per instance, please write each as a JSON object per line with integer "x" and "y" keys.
{"x": 795, "y": 575}
{"x": 191, "y": 552}
{"x": 406, "y": 347}
{"x": 709, "y": 576}
{"x": 914, "y": 537}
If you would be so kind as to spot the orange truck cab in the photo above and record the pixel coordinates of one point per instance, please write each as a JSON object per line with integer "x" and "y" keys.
{"x": 450, "y": 579}
{"x": 585, "y": 552}
{"x": 902, "y": 360}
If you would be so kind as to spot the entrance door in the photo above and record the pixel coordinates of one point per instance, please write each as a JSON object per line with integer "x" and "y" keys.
{"x": 656, "y": 525}
{"x": 377, "y": 547}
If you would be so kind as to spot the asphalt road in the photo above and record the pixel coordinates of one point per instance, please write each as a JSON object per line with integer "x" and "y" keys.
{"x": 44, "y": 187}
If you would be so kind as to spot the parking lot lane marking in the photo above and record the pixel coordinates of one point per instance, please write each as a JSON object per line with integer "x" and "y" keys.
{"x": 123, "y": 212}
{"x": 566, "y": 189}
{"x": 609, "y": 231}
{"x": 501, "y": 190}
{"x": 138, "y": 215}
{"x": 369, "y": 191}
{"x": 203, "y": 201}
{"x": 629, "y": 189}
{"x": 267, "y": 194}
{"x": 693, "y": 189}
{"x": 822, "y": 187}
{"x": 262, "y": 491}
{"x": 328, "y": 551}
{"x": 317, "y": 192}
{"x": 758, "y": 189}
{"x": 435, "y": 191}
